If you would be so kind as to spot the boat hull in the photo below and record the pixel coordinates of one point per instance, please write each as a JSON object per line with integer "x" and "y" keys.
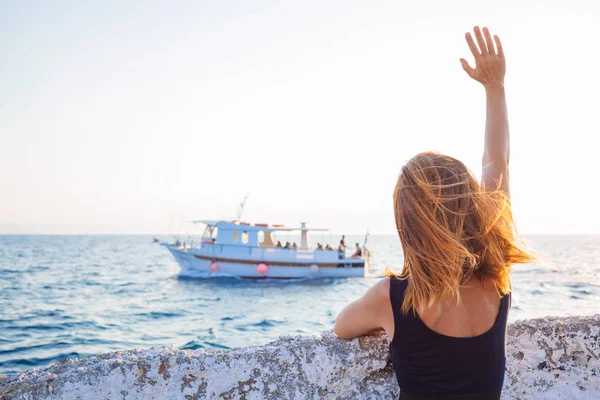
{"x": 207, "y": 267}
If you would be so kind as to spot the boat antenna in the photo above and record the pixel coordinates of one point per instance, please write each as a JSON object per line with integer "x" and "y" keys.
{"x": 240, "y": 209}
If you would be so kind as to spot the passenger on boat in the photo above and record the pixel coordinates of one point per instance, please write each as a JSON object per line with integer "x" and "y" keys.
{"x": 294, "y": 246}
{"x": 319, "y": 246}
{"x": 357, "y": 252}
{"x": 287, "y": 245}
{"x": 328, "y": 247}
{"x": 343, "y": 243}
{"x": 278, "y": 244}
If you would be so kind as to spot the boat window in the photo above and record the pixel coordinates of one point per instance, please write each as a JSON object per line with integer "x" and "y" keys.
{"x": 207, "y": 232}
{"x": 244, "y": 237}
{"x": 261, "y": 237}
{"x": 215, "y": 230}
{"x": 235, "y": 236}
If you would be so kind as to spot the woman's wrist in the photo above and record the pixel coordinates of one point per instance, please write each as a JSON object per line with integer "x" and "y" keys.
{"x": 493, "y": 86}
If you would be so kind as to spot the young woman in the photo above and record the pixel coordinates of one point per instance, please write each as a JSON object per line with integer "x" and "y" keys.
{"x": 446, "y": 312}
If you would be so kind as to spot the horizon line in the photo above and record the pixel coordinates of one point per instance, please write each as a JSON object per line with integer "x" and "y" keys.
{"x": 199, "y": 234}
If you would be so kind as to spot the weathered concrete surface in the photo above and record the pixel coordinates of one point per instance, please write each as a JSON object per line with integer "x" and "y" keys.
{"x": 547, "y": 358}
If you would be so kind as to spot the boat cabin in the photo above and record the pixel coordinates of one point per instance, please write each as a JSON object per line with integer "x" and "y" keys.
{"x": 248, "y": 234}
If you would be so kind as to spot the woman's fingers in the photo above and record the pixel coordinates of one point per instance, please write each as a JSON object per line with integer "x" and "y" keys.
{"x": 480, "y": 40}
{"x": 472, "y": 45}
{"x": 498, "y": 46}
{"x": 488, "y": 41}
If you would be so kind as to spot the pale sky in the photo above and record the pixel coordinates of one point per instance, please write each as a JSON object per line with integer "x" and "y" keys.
{"x": 116, "y": 115}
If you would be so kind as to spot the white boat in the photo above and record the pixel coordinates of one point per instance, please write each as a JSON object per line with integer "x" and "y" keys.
{"x": 246, "y": 250}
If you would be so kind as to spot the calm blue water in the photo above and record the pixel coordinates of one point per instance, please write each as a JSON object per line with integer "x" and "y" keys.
{"x": 76, "y": 296}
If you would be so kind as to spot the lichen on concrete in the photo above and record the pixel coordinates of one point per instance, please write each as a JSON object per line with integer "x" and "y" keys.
{"x": 546, "y": 358}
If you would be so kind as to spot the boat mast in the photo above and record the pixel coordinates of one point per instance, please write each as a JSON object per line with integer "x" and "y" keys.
{"x": 240, "y": 209}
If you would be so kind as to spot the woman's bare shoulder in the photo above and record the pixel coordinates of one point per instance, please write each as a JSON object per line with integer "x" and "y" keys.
{"x": 379, "y": 293}
{"x": 382, "y": 287}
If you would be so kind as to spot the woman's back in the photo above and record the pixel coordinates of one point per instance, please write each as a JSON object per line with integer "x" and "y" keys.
{"x": 455, "y": 349}
{"x": 474, "y": 315}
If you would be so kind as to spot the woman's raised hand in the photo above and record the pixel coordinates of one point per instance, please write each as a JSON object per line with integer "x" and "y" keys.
{"x": 490, "y": 65}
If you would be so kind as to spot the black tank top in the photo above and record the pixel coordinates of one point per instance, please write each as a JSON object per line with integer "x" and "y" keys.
{"x": 429, "y": 365}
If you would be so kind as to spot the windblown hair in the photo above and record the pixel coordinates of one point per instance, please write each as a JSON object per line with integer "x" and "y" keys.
{"x": 451, "y": 229}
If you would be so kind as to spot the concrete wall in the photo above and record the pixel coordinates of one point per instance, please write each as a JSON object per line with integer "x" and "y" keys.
{"x": 547, "y": 358}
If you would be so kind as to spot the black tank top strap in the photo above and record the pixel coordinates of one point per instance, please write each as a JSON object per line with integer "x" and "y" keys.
{"x": 397, "y": 290}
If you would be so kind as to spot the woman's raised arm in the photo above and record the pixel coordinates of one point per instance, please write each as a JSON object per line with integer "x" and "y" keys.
{"x": 490, "y": 68}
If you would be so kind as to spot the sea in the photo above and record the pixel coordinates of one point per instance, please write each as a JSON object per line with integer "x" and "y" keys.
{"x": 79, "y": 296}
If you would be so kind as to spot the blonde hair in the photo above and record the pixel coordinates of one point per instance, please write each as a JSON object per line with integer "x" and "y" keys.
{"x": 451, "y": 229}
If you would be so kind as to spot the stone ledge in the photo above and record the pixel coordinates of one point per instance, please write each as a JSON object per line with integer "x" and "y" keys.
{"x": 547, "y": 358}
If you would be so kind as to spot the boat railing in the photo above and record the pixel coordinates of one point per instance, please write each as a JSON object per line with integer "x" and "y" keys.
{"x": 270, "y": 253}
